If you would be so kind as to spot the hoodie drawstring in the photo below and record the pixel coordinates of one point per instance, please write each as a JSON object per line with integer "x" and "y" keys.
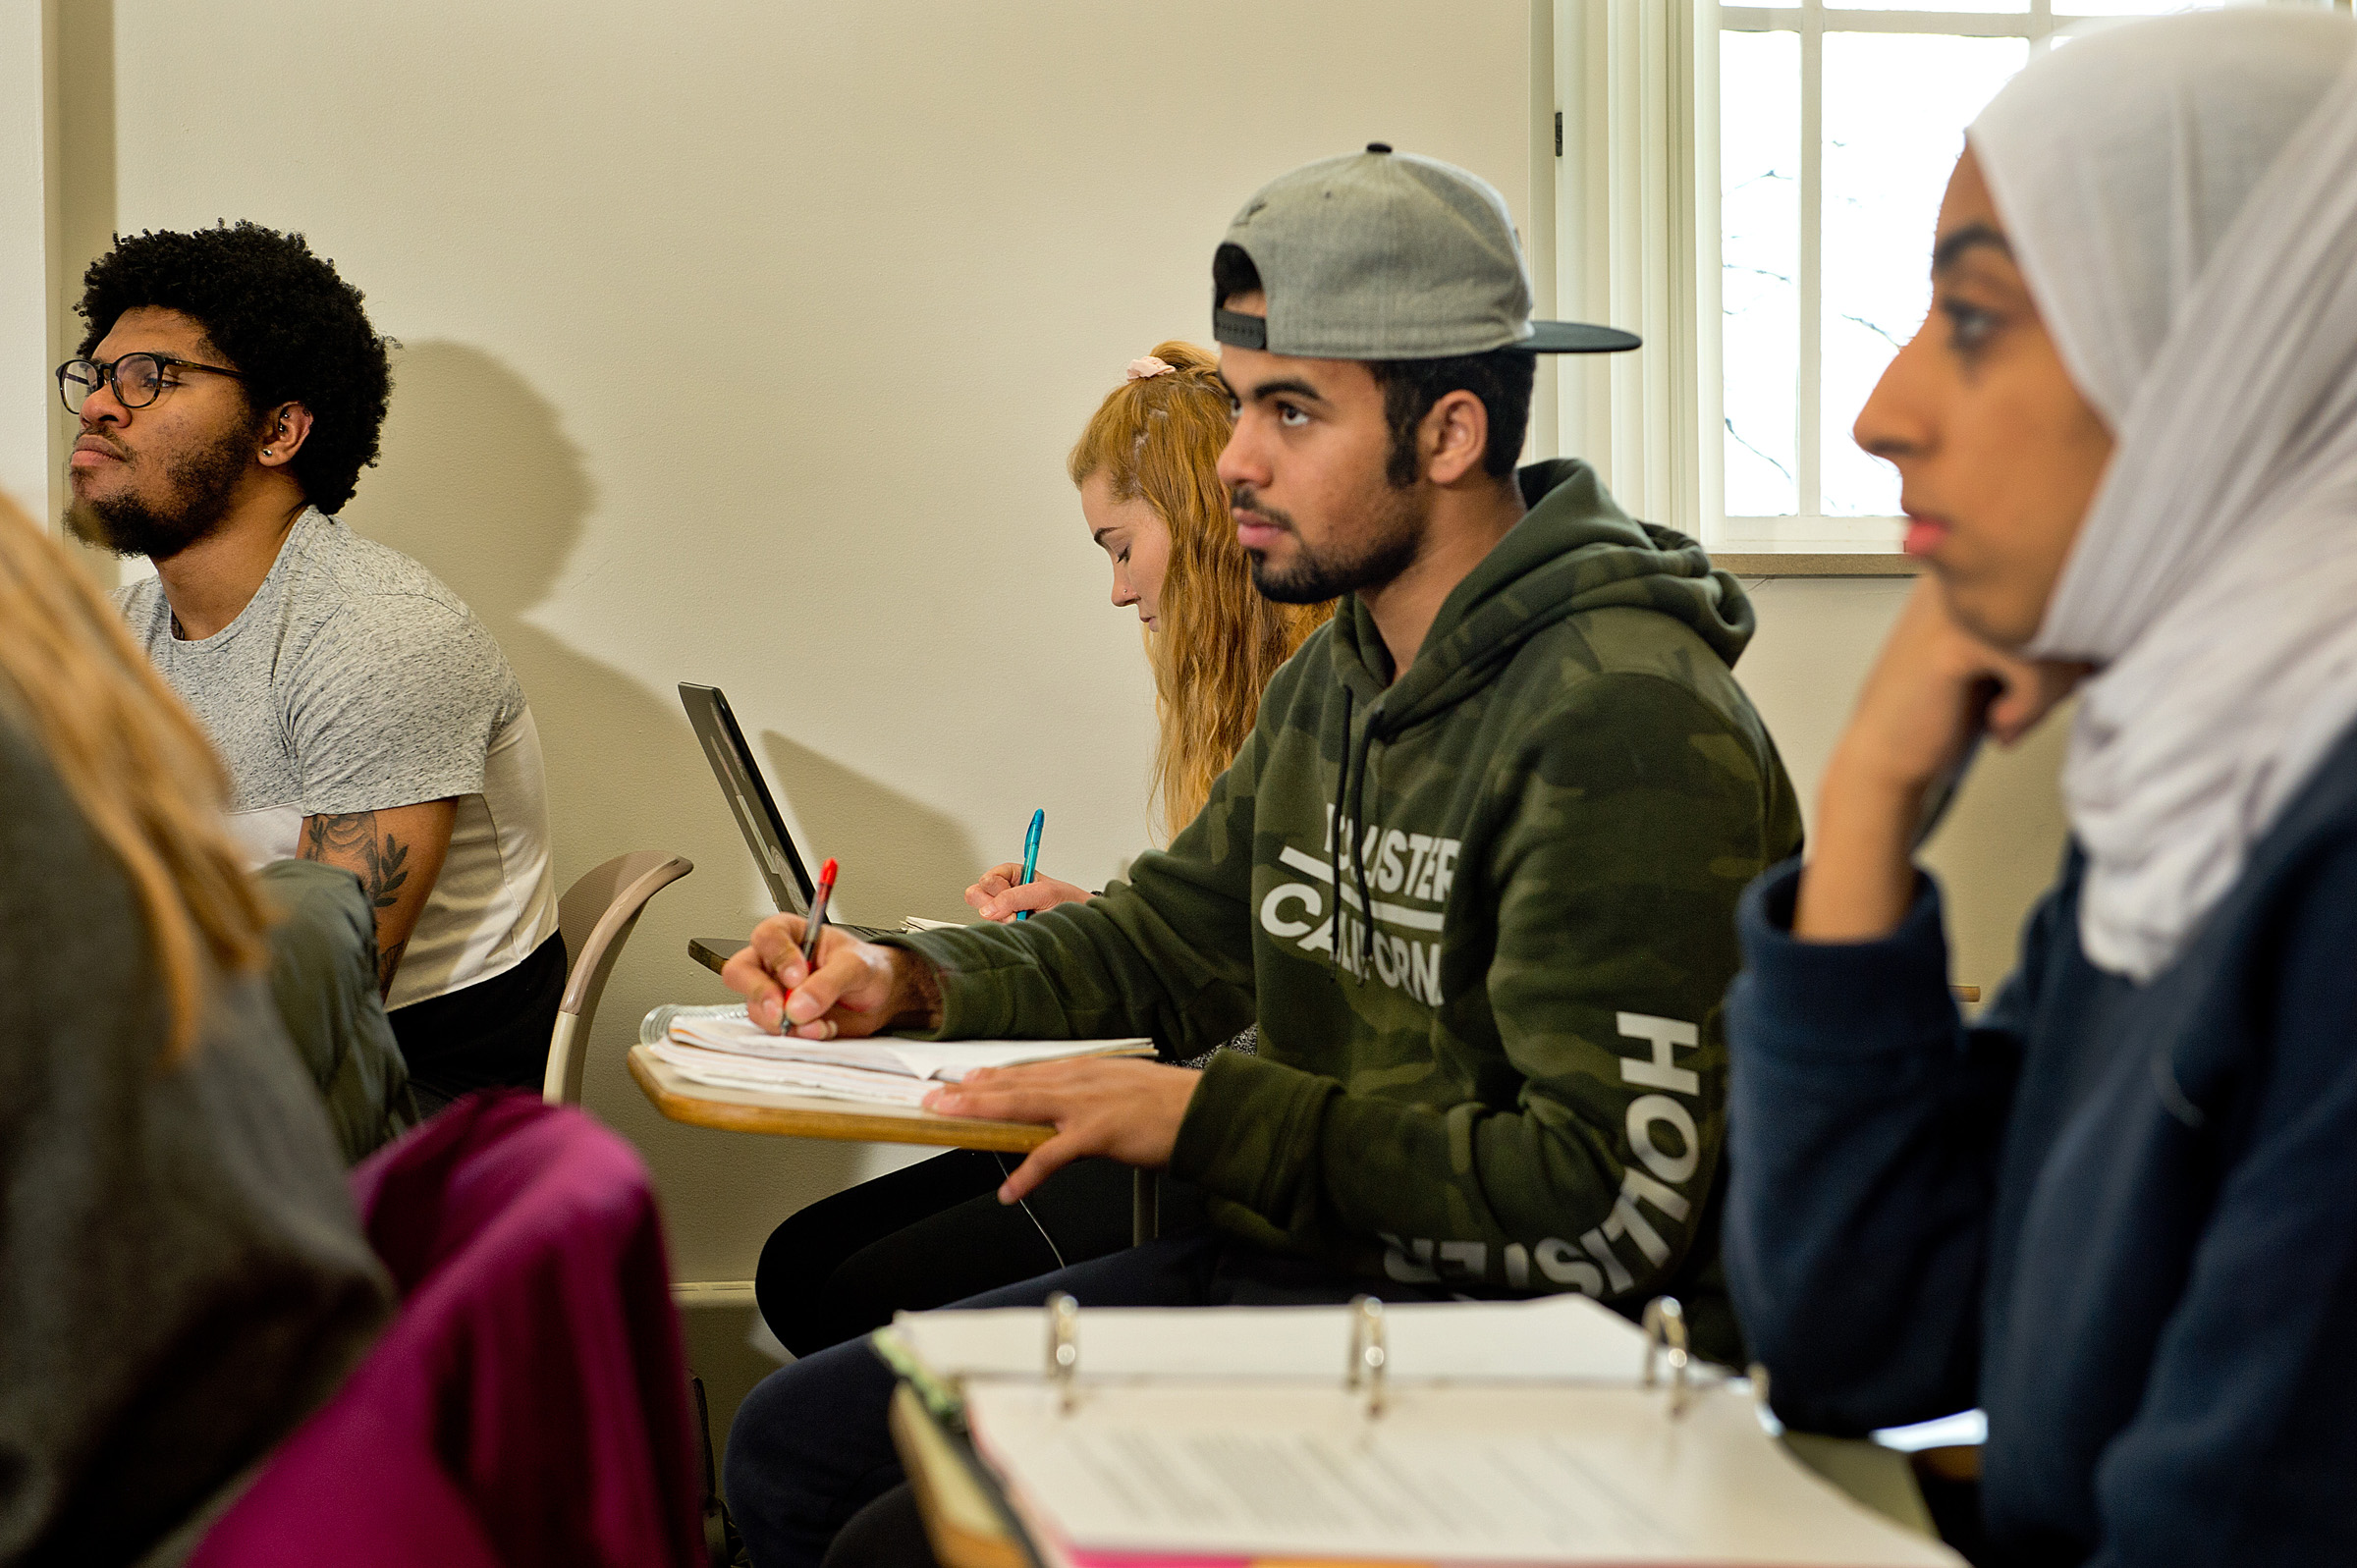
{"x": 1349, "y": 798}
{"x": 1334, "y": 834}
{"x": 1363, "y": 946}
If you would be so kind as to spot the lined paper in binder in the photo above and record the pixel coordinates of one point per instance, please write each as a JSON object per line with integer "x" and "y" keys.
{"x": 1478, "y": 1432}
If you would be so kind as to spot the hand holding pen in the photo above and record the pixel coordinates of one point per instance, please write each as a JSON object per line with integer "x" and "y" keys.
{"x": 797, "y": 977}
{"x": 1011, "y": 890}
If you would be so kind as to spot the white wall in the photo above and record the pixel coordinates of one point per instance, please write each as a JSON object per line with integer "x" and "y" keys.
{"x": 28, "y": 251}
{"x": 743, "y": 340}
{"x": 744, "y": 344}
{"x": 2001, "y": 840}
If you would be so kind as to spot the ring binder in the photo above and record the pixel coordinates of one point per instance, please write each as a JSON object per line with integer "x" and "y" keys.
{"x": 1063, "y": 1348}
{"x": 1210, "y": 1436}
{"x": 1666, "y": 1332}
{"x": 1368, "y": 1354}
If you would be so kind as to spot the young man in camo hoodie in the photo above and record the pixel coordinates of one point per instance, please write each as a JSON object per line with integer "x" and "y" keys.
{"x": 1474, "y": 874}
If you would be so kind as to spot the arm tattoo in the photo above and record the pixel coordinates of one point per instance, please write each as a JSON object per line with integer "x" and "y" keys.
{"x": 351, "y": 839}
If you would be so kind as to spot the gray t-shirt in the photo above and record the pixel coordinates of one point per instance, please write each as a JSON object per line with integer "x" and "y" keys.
{"x": 356, "y": 682}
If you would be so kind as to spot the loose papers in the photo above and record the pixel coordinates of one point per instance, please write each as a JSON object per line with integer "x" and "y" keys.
{"x": 722, "y": 1048}
{"x": 1446, "y": 1474}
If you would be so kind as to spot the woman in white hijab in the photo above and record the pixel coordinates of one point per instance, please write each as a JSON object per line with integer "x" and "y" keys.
{"x": 2118, "y": 1213}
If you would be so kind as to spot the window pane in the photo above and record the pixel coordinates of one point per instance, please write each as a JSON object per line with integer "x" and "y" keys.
{"x": 1759, "y": 219}
{"x": 2011, "y": 7}
{"x": 1895, "y": 109}
{"x": 2064, "y": 9}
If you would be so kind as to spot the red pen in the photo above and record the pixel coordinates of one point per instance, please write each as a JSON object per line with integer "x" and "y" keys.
{"x": 818, "y": 915}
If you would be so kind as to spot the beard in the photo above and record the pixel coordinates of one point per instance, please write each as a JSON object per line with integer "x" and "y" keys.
{"x": 1386, "y": 547}
{"x": 197, "y": 489}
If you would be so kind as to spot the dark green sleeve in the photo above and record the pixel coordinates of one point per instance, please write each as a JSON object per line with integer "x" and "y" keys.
{"x": 1587, "y": 1139}
{"x": 323, "y": 979}
{"x": 1167, "y": 954}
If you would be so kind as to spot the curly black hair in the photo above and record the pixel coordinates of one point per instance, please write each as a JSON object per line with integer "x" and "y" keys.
{"x": 276, "y": 312}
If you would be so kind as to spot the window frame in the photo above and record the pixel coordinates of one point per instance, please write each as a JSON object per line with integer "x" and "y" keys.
{"x": 1810, "y": 529}
{"x": 1634, "y": 242}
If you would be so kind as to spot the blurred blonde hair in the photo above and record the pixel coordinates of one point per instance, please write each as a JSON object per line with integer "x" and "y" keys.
{"x": 135, "y": 764}
{"x": 1159, "y": 438}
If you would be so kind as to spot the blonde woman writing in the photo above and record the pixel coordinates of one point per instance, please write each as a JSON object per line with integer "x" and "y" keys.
{"x": 1155, "y": 506}
{"x": 1151, "y": 497}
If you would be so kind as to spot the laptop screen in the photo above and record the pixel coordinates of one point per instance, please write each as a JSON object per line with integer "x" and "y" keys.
{"x": 758, "y": 818}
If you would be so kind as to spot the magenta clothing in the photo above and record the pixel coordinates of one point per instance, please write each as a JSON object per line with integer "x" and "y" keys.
{"x": 528, "y": 1406}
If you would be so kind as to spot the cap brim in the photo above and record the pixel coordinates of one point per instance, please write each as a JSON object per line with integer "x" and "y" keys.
{"x": 1577, "y": 337}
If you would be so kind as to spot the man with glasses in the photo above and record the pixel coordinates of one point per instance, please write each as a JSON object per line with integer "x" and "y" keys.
{"x": 230, "y": 390}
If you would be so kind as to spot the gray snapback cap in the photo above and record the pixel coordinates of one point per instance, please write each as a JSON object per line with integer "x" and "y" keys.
{"x": 1386, "y": 255}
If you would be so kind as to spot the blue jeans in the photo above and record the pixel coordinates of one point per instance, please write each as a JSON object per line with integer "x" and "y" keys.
{"x": 811, "y": 1448}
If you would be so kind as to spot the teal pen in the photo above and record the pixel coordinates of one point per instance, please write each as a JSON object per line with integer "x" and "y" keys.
{"x": 1039, "y": 821}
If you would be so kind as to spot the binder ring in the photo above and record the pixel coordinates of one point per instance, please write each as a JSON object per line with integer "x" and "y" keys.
{"x": 1063, "y": 1348}
{"x": 1368, "y": 1355}
{"x": 1666, "y": 1331}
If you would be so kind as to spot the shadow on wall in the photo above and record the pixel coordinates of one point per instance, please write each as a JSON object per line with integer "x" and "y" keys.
{"x": 481, "y": 482}
{"x": 911, "y": 859}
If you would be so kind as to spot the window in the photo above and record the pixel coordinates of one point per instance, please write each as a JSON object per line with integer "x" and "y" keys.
{"x": 1838, "y": 125}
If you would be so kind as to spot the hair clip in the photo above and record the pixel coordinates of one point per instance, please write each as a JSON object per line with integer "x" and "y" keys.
{"x": 1147, "y": 368}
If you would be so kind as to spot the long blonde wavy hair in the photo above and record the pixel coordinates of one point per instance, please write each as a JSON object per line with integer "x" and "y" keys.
{"x": 134, "y": 762}
{"x": 1159, "y": 438}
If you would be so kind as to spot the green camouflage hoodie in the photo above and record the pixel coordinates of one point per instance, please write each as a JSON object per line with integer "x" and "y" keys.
{"x": 1512, "y": 1077}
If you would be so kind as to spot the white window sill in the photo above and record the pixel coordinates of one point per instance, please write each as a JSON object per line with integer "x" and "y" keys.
{"x": 1812, "y": 546}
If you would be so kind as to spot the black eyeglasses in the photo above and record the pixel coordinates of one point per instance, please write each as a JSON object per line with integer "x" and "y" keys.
{"x": 138, "y": 378}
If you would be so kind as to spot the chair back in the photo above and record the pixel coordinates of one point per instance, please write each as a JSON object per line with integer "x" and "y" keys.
{"x": 528, "y": 1405}
{"x": 596, "y": 916}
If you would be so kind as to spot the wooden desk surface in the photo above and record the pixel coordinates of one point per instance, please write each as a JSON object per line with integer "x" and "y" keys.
{"x": 814, "y": 1116}
{"x": 714, "y": 951}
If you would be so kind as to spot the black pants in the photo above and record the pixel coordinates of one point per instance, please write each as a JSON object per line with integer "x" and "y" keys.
{"x": 933, "y": 1233}
{"x": 811, "y": 1448}
{"x": 492, "y": 1034}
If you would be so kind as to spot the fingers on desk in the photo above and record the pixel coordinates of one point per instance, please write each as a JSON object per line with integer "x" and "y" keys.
{"x": 1027, "y": 1094}
{"x": 1038, "y": 1165}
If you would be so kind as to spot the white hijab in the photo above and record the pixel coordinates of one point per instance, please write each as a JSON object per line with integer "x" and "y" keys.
{"x": 2181, "y": 196}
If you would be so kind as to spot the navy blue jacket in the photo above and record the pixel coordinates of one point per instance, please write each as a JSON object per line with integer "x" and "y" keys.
{"x": 2120, "y": 1218}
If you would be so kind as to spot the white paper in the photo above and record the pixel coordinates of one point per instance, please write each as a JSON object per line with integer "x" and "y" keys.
{"x": 1554, "y": 1338}
{"x": 1522, "y": 1474}
{"x": 723, "y": 1070}
{"x": 728, "y": 1030}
